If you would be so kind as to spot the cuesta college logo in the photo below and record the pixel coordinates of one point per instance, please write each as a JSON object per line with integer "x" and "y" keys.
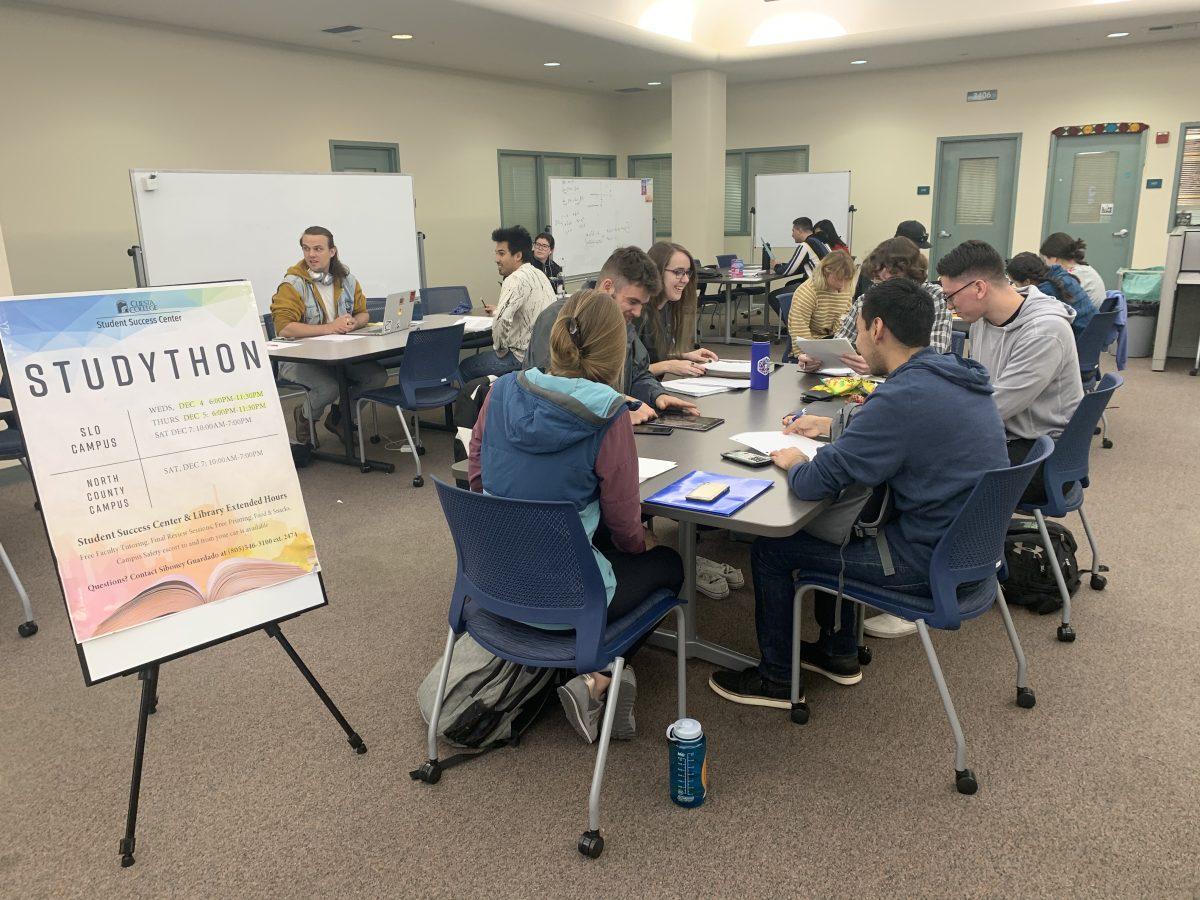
{"x": 765, "y": 366}
{"x": 135, "y": 306}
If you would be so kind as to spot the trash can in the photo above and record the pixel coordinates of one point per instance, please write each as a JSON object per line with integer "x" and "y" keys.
{"x": 1142, "y": 289}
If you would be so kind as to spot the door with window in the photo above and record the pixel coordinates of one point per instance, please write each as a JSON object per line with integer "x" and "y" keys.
{"x": 1095, "y": 183}
{"x": 975, "y": 193}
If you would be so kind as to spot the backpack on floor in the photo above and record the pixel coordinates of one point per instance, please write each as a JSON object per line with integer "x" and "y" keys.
{"x": 489, "y": 702}
{"x": 1030, "y": 578}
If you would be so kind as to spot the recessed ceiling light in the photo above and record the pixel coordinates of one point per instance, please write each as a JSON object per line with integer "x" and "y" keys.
{"x": 1119, "y": 34}
{"x": 551, "y": 65}
{"x": 401, "y": 37}
{"x": 858, "y": 62}
{"x": 653, "y": 83}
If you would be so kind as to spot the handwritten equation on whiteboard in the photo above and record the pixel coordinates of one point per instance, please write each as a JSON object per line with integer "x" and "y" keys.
{"x": 591, "y": 217}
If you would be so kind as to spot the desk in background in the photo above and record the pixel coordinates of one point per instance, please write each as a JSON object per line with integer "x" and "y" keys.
{"x": 1181, "y": 281}
{"x": 729, "y": 284}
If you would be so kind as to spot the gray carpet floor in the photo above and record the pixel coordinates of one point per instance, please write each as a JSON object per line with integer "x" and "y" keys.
{"x": 251, "y": 790}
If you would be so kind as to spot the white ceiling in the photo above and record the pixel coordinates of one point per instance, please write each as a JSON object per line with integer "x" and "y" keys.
{"x": 601, "y": 46}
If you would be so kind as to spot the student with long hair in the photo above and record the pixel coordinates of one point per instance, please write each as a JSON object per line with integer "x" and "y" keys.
{"x": 1071, "y": 254}
{"x": 564, "y": 435}
{"x": 1027, "y": 269}
{"x": 828, "y": 235}
{"x": 667, "y": 325}
{"x": 820, "y": 304}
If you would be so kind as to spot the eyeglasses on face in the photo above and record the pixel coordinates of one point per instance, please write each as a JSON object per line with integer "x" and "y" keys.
{"x": 542, "y": 245}
{"x": 680, "y": 274}
{"x": 950, "y": 296}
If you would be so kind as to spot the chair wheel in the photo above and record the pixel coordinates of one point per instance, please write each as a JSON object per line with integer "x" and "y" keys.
{"x": 591, "y": 844}
{"x": 1193, "y": 371}
{"x": 1096, "y": 430}
{"x": 27, "y": 629}
{"x": 364, "y": 469}
{"x": 1026, "y": 698}
{"x": 799, "y": 714}
{"x": 864, "y": 656}
{"x": 430, "y": 772}
{"x": 965, "y": 782}
{"x": 1098, "y": 582}
{"x": 1103, "y": 568}
{"x": 418, "y": 481}
{"x": 375, "y": 439}
{"x": 420, "y": 449}
{"x": 1106, "y": 444}
{"x": 1066, "y": 634}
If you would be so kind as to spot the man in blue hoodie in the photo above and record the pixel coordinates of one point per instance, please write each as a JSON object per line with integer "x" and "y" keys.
{"x": 929, "y": 432}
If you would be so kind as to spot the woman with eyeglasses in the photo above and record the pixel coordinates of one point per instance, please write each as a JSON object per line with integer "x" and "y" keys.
{"x": 668, "y": 322}
{"x": 543, "y": 255}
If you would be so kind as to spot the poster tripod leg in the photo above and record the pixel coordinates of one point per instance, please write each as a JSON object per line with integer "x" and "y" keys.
{"x": 352, "y": 737}
{"x": 149, "y": 679}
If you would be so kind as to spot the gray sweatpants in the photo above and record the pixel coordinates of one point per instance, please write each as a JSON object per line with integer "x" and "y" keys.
{"x": 323, "y": 386}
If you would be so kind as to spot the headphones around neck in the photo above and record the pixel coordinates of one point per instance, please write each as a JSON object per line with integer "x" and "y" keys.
{"x": 321, "y": 277}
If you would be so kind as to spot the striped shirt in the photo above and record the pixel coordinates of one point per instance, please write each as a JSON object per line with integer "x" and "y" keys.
{"x": 523, "y": 296}
{"x": 805, "y": 259}
{"x": 939, "y": 338}
{"x": 816, "y": 314}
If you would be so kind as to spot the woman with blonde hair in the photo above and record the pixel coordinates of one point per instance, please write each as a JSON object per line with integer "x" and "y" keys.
{"x": 668, "y": 322}
{"x": 819, "y": 304}
{"x": 565, "y": 435}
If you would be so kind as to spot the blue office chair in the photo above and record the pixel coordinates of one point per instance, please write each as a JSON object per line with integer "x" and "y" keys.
{"x": 548, "y": 577}
{"x": 1089, "y": 345}
{"x": 428, "y": 379}
{"x": 962, "y": 574}
{"x": 290, "y": 389}
{"x": 375, "y": 307}
{"x": 436, "y": 300}
{"x": 1068, "y": 465}
{"x": 1111, "y": 301}
{"x": 12, "y": 446}
{"x": 784, "y": 298}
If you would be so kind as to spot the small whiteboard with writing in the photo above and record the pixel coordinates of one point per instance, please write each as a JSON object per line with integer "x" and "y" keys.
{"x": 592, "y": 217}
{"x": 779, "y": 199}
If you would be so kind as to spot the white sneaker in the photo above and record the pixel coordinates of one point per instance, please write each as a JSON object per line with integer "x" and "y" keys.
{"x": 734, "y": 576}
{"x": 711, "y": 584}
{"x": 886, "y": 625}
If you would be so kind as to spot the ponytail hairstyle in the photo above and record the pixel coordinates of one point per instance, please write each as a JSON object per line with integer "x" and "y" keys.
{"x": 336, "y": 267}
{"x": 588, "y": 339}
{"x": 836, "y": 262}
{"x": 1062, "y": 246}
{"x": 1029, "y": 268}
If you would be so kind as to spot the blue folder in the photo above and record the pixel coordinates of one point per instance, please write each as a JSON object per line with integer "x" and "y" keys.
{"x": 741, "y": 491}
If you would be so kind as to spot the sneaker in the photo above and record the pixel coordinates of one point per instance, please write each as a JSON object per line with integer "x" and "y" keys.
{"x": 303, "y": 429}
{"x": 885, "y": 625}
{"x": 624, "y": 725}
{"x": 582, "y": 709}
{"x": 840, "y": 669}
{"x": 733, "y": 576}
{"x": 749, "y": 688}
{"x": 711, "y": 585}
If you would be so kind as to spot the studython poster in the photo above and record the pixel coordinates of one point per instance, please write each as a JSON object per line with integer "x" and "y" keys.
{"x": 159, "y": 449}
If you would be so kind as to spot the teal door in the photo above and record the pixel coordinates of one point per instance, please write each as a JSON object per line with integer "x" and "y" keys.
{"x": 974, "y": 194}
{"x": 363, "y": 156}
{"x": 1093, "y": 190}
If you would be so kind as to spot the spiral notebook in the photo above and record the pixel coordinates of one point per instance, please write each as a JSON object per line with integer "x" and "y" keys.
{"x": 741, "y": 491}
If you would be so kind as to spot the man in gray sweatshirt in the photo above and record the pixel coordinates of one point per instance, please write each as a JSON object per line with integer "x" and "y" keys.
{"x": 1024, "y": 339}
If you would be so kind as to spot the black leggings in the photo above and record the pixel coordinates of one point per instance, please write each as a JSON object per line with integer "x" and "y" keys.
{"x": 638, "y": 576}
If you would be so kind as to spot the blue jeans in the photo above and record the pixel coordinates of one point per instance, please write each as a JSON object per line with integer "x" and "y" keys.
{"x": 488, "y": 363}
{"x": 774, "y": 560}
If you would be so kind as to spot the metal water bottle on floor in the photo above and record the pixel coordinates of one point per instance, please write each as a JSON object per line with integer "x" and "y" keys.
{"x": 760, "y": 361}
{"x": 689, "y": 768}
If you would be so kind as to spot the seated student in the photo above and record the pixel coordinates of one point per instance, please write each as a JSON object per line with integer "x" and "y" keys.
{"x": 827, "y": 234}
{"x": 667, "y": 326}
{"x": 909, "y": 228}
{"x": 543, "y": 256}
{"x": 630, "y": 276}
{"x": 524, "y": 293}
{"x": 820, "y": 304}
{"x": 1026, "y": 269}
{"x": 1024, "y": 339}
{"x": 929, "y": 432}
{"x": 1068, "y": 252}
{"x": 897, "y": 257}
{"x": 810, "y": 250}
{"x": 563, "y": 435}
{"x": 318, "y": 295}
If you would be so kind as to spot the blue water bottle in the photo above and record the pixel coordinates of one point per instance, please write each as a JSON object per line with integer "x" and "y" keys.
{"x": 760, "y": 361}
{"x": 689, "y": 769}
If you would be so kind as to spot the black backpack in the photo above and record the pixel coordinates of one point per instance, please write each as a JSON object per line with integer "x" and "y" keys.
{"x": 1030, "y": 578}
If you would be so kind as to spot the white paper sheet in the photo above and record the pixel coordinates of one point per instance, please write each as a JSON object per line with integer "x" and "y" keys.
{"x": 279, "y": 345}
{"x": 834, "y": 371}
{"x": 730, "y": 366}
{"x": 334, "y": 337}
{"x": 725, "y": 384}
{"x": 475, "y": 324}
{"x": 829, "y": 351}
{"x": 683, "y": 386}
{"x": 649, "y": 468}
{"x": 770, "y": 441}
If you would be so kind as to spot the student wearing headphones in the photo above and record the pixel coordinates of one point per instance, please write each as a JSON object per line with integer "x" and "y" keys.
{"x": 317, "y": 296}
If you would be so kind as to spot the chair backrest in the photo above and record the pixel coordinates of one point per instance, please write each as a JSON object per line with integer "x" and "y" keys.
{"x": 375, "y": 307}
{"x": 1091, "y": 341}
{"x": 268, "y": 322}
{"x": 1112, "y": 300}
{"x": 973, "y": 546}
{"x": 1069, "y": 462}
{"x": 958, "y": 342}
{"x": 544, "y": 574}
{"x": 724, "y": 259}
{"x": 436, "y": 300}
{"x": 430, "y": 360}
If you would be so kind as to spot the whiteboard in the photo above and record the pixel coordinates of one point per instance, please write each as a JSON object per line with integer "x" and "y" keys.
{"x": 592, "y": 217}
{"x": 197, "y": 227}
{"x": 779, "y": 199}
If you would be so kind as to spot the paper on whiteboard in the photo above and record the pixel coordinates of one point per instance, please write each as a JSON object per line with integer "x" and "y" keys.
{"x": 770, "y": 441}
{"x": 651, "y": 468}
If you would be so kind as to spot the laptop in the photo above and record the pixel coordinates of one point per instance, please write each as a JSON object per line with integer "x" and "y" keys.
{"x": 766, "y": 257}
{"x": 397, "y": 314}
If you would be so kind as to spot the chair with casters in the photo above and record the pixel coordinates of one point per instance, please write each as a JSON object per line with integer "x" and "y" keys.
{"x": 12, "y": 446}
{"x": 1066, "y": 480}
{"x": 291, "y": 389}
{"x": 548, "y": 578}
{"x": 428, "y": 379}
{"x": 1089, "y": 345}
{"x": 963, "y": 578}
{"x": 435, "y": 300}
{"x": 746, "y": 291}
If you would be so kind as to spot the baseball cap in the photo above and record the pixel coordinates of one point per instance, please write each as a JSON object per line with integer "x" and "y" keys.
{"x": 915, "y": 232}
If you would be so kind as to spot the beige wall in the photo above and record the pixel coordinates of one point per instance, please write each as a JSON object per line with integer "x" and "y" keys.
{"x": 5, "y": 278}
{"x": 97, "y": 98}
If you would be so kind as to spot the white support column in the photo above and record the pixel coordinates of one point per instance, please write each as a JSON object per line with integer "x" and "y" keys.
{"x": 698, "y": 162}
